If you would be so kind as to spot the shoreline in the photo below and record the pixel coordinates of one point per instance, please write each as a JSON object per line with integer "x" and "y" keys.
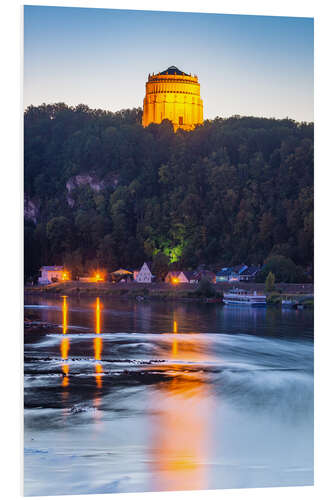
{"x": 182, "y": 292}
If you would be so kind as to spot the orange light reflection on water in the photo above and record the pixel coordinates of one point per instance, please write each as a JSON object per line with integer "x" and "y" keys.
{"x": 98, "y": 348}
{"x": 98, "y": 316}
{"x": 64, "y": 315}
{"x": 175, "y": 342}
{"x": 180, "y": 441}
{"x": 65, "y": 380}
{"x": 98, "y": 344}
{"x": 64, "y": 346}
{"x": 99, "y": 370}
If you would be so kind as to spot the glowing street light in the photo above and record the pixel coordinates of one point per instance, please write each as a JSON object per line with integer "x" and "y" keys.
{"x": 98, "y": 277}
{"x": 65, "y": 276}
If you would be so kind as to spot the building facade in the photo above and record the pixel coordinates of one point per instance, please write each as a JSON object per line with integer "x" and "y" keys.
{"x": 187, "y": 277}
{"x": 145, "y": 275}
{"x": 51, "y": 274}
{"x": 173, "y": 95}
{"x": 231, "y": 273}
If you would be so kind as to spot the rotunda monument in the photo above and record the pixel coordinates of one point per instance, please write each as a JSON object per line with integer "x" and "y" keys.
{"x": 173, "y": 95}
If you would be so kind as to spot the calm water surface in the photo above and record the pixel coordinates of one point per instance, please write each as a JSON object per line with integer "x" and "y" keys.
{"x": 125, "y": 396}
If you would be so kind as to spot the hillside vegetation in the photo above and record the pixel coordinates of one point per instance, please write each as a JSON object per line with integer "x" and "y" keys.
{"x": 104, "y": 191}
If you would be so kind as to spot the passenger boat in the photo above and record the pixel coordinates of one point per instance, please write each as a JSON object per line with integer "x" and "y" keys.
{"x": 240, "y": 297}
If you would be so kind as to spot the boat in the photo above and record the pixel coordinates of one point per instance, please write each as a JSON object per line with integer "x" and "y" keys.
{"x": 237, "y": 296}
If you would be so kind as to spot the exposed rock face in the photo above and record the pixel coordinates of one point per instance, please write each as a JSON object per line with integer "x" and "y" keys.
{"x": 31, "y": 209}
{"x": 82, "y": 180}
{"x": 85, "y": 179}
{"x": 70, "y": 201}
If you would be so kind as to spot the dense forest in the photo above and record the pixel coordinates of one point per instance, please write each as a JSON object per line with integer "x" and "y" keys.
{"x": 102, "y": 191}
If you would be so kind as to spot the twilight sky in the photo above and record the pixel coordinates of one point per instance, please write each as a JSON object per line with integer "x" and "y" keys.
{"x": 247, "y": 65}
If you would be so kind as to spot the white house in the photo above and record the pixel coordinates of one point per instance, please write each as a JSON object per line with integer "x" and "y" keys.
{"x": 187, "y": 277}
{"x": 145, "y": 275}
{"x": 51, "y": 273}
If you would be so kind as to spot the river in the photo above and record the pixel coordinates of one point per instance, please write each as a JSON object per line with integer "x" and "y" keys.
{"x": 124, "y": 396}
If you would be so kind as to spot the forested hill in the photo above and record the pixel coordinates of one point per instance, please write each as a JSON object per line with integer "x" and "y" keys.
{"x": 100, "y": 190}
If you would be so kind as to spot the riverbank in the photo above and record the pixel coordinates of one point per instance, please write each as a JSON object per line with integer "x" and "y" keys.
{"x": 302, "y": 293}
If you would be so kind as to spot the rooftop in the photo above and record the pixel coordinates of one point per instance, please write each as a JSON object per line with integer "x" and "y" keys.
{"x": 52, "y": 268}
{"x": 251, "y": 270}
{"x": 173, "y": 70}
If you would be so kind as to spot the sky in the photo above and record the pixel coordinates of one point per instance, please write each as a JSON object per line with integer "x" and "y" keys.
{"x": 246, "y": 65}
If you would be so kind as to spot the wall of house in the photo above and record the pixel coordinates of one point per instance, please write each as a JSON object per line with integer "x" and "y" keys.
{"x": 144, "y": 275}
{"x": 54, "y": 274}
{"x": 46, "y": 276}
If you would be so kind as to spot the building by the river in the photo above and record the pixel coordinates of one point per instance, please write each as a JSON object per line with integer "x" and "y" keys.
{"x": 173, "y": 95}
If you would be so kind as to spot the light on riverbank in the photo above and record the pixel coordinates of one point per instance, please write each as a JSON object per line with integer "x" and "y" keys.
{"x": 65, "y": 276}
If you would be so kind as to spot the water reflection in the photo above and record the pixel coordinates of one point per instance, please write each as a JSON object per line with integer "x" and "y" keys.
{"x": 175, "y": 342}
{"x": 64, "y": 314}
{"x": 198, "y": 423}
{"x": 180, "y": 443}
{"x": 64, "y": 346}
{"x": 98, "y": 345}
{"x": 98, "y": 316}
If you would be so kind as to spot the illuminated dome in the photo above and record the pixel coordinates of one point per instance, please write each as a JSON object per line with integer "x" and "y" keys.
{"x": 172, "y": 70}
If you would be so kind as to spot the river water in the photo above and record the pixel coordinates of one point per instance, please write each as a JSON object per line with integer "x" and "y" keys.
{"x": 124, "y": 396}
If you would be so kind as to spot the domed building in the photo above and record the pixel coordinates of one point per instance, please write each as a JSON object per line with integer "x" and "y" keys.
{"x": 173, "y": 95}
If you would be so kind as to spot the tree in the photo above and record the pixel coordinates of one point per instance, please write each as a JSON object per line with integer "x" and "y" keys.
{"x": 32, "y": 251}
{"x": 270, "y": 282}
{"x": 283, "y": 268}
{"x": 205, "y": 289}
{"x": 106, "y": 253}
{"x": 59, "y": 232}
{"x": 232, "y": 190}
{"x": 74, "y": 263}
{"x": 160, "y": 265}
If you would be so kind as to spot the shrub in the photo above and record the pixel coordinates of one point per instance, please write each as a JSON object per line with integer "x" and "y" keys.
{"x": 205, "y": 289}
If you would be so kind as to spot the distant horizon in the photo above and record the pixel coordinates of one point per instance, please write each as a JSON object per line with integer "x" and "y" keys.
{"x": 247, "y": 65}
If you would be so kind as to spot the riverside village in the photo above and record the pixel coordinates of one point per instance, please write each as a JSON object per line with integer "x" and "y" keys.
{"x": 240, "y": 284}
